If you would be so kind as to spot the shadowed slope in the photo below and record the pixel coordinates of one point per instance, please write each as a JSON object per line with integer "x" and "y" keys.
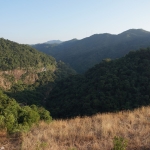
{"x": 112, "y": 85}
{"x": 85, "y": 53}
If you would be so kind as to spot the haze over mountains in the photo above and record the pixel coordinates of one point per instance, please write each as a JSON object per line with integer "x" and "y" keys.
{"x": 53, "y": 42}
{"x": 85, "y": 53}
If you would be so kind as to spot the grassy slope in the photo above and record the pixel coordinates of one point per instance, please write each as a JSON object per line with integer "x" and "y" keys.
{"x": 92, "y": 133}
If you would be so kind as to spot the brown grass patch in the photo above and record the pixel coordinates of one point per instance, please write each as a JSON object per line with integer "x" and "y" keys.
{"x": 10, "y": 142}
{"x": 91, "y": 133}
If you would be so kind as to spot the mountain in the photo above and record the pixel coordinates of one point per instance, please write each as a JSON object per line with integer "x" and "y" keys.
{"x": 20, "y": 56}
{"x": 112, "y": 85}
{"x": 49, "y": 48}
{"x": 27, "y": 74}
{"x": 85, "y": 53}
{"x": 53, "y": 42}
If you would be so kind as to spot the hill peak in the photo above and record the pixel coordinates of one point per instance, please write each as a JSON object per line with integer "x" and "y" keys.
{"x": 135, "y": 32}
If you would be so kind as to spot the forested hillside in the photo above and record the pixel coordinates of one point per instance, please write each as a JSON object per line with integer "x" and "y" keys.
{"x": 85, "y": 53}
{"x": 19, "y": 56}
{"x": 37, "y": 92}
{"x": 27, "y": 74}
{"x": 112, "y": 85}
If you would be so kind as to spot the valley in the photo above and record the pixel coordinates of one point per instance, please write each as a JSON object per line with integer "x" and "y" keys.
{"x": 97, "y": 87}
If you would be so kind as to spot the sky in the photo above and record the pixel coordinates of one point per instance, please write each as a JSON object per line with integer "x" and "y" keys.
{"x": 38, "y": 21}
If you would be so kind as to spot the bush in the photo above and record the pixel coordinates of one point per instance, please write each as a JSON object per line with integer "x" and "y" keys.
{"x": 44, "y": 114}
{"x": 15, "y": 118}
{"x": 119, "y": 143}
{"x": 28, "y": 115}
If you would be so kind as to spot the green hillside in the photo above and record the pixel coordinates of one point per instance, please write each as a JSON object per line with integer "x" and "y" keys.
{"x": 85, "y": 53}
{"x": 27, "y": 74}
{"x": 37, "y": 92}
{"x": 112, "y": 85}
{"x": 14, "y": 56}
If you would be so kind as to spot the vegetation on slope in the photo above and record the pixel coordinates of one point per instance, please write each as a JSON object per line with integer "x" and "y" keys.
{"x": 14, "y": 55}
{"x": 21, "y": 64}
{"x": 39, "y": 91}
{"x": 28, "y": 74}
{"x": 84, "y": 54}
{"x": 115, "y": 85}
{"x": 17, "y": 118}
{"x": 94, "y": 133}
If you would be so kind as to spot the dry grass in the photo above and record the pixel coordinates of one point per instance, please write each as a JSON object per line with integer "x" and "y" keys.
{"x": 91, "y": 133}
{"x": 12, "y": 142}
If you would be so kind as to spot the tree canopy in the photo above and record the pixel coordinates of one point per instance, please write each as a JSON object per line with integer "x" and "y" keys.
{"x": 30, "y": 75}
{"x": 112, "y": 85}
{"x": 17, "y": 117}
{"x": 14, "y": 55}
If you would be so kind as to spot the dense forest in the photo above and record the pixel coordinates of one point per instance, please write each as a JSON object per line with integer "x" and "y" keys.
{"x": 37, "y": 93}
{"x": 19, "y": 63}
{"x": 85, "y": 53}
{"x": 112, "y": 85}
{"x": 14, "y": 55}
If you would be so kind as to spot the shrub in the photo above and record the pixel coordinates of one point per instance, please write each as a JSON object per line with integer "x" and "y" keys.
{"x": 15, "y": 118}
{"x": 119, "y": 143}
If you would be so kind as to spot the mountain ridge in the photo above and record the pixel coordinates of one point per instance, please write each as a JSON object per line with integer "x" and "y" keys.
{"x": 54, "y": 42}
{"x": 85, "y": 53}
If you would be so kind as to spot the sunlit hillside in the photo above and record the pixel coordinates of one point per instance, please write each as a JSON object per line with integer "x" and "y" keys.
{"x": 88, "y": 133}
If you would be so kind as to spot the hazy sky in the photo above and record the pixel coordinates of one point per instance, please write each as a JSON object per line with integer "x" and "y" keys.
{"x": 37, "y": 21}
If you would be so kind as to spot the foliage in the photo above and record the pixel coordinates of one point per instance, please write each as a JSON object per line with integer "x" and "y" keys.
{"x": 85, "y": 53}
{"x": 16, "y": 118}
{"x": 119, "y": 143}
{"x": 14, "y": 55}
{"x": 38, "y": 92}
{"x": 110, "y": 86}
{"x": 44, "y": 114}
{"x": 9, "y": 78}
{"x": 41, "y": 145}
{"x": 40, "y": 72}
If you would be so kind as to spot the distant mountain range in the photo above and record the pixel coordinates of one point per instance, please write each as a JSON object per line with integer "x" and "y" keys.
{"x": 85, "y": 53}
{"x": 53, "y": 42}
